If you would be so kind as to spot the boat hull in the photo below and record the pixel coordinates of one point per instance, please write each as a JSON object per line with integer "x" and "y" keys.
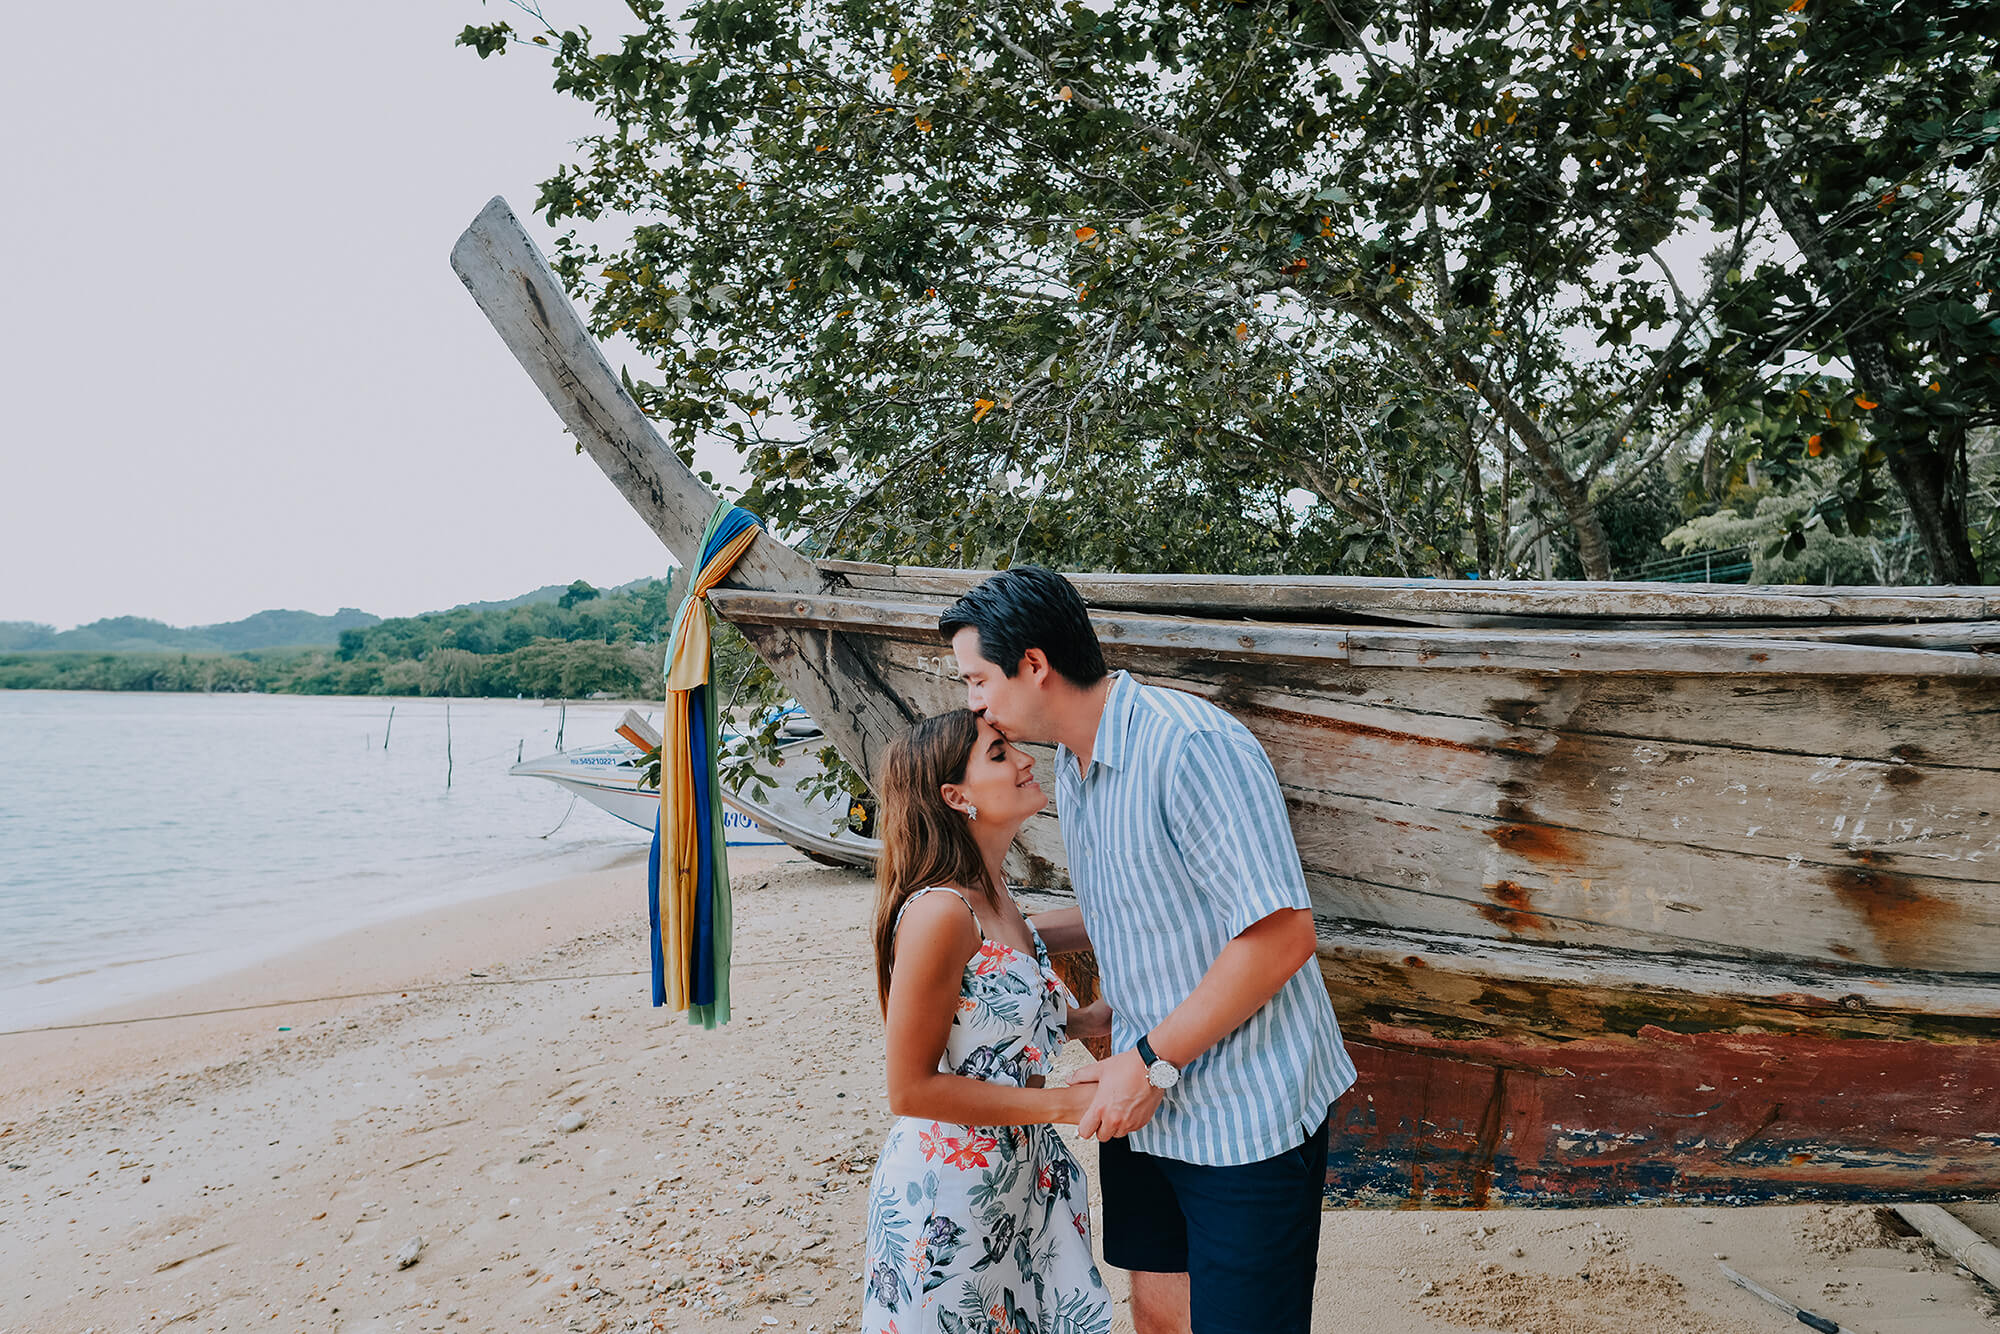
{"x": 1614, "y": 937}
{"x": 1626, "y": 894}
{"x": 606, "y": 777}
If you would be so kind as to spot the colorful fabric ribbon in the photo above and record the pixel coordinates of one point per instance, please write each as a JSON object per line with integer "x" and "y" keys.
{"x": 687, "y": 875}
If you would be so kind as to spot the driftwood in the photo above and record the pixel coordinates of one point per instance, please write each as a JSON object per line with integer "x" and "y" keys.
{"x": 1955, "y": 1239}
{"x": 1624, "y": 892}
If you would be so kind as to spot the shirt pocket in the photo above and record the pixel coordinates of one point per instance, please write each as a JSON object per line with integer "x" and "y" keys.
{"x": 1123, "y": 904}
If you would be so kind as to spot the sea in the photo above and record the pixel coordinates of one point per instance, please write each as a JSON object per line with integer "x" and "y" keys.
{"x": 151, "y": 840}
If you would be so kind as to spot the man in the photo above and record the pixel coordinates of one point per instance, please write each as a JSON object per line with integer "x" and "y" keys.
{"x": 1213, "y": 1111}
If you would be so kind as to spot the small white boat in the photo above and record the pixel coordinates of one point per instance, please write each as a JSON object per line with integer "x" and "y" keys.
{"x": 608, "y": 777}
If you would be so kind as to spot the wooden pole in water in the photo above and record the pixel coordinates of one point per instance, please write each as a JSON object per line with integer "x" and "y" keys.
{"x": 562, "y": 716}
{"x": 447, "y": 745}
{"x": 385, "y": 730}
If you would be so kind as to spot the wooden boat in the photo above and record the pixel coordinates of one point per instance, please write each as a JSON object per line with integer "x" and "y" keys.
{"x": 1626, "y": 894}
{"x": 611, "y": 777}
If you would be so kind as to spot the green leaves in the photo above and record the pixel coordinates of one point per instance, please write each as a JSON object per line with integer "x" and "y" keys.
{"x": 1158, "y": 269}
{"x": 487, "y": 40}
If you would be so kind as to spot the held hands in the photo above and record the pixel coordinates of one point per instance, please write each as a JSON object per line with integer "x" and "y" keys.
{"x": 1125, "y": 1101}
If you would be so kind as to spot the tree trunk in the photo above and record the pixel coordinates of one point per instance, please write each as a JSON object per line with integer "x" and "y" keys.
{"x": 1925, "y": 474}
{"x": 1475, "y": 495}
{"x": 1937, "y": 511}
{"x": 1414, "y": 335}
{"x": 1593, "y": 544}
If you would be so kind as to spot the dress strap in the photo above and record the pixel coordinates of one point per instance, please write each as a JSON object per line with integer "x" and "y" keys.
{"x": 942, "y": 889}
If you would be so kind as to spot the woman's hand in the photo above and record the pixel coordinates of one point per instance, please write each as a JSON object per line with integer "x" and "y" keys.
{"x": 1072, "y": 1101}
{"x": 1089, "y": 1021}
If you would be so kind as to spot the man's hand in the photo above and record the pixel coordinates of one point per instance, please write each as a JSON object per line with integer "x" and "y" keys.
{"x": 1124, "y": 1102}
{"x": 1089, "y": 1021}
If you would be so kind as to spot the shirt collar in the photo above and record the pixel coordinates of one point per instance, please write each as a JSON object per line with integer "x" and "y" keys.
{"x": 1114, "y": 728}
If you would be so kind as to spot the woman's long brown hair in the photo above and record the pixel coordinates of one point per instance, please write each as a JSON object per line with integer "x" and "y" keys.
{"x": 924, "y": 841}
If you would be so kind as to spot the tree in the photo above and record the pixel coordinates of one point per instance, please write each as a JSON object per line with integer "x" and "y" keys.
{"x": 579, "y": 591}
{"x": 1869, "y": 141}
{"x": 560, "y": 669}
{"x": 1367, "y": 289}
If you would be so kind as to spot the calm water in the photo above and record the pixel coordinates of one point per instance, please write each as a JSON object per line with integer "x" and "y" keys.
{"x": 146, "y": 840}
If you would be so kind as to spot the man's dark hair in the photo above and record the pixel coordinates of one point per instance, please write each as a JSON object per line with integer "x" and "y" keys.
{"x": 1028, "y": 607}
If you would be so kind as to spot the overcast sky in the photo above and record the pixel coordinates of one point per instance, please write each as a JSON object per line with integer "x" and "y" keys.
{"x": 236, "y": 369}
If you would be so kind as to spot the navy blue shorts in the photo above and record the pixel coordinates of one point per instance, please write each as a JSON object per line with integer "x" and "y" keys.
{"x": 1247, "y": 1237}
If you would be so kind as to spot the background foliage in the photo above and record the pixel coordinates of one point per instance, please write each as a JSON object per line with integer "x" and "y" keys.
{"x": 585, "y": 643}
{"x": 1314, "y": 287}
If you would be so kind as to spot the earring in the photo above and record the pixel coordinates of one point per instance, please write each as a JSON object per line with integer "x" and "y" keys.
{"x": 972, "y": 812}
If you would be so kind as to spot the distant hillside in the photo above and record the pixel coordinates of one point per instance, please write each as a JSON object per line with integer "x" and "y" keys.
{"x": 566, "y": 641}
{"x": 24, "y": 636}
{"x": 546, "y": 593}
{"x": 265, "y": 630}
{"x": 137, "y": 634}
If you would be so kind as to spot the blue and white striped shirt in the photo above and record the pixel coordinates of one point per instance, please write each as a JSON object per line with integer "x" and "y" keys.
{"x": 1178, "y": 841}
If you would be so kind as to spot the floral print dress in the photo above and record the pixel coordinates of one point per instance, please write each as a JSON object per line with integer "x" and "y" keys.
{"x": 986, "y": 1229}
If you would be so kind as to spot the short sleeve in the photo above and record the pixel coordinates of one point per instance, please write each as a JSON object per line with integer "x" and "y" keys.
{"x": 1228, "y": 819}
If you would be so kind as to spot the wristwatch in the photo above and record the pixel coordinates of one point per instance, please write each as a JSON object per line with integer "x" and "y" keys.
{"x": 1162, "y": 1075}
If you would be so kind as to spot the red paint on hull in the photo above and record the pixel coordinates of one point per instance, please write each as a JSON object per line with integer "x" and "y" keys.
{"x": 1664, "y": 1117}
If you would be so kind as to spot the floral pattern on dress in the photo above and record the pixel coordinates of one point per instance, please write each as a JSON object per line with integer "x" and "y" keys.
{"x": 986, "y": 1229}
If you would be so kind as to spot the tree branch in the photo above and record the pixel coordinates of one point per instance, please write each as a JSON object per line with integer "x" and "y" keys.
{"x": 1158, "y": 133}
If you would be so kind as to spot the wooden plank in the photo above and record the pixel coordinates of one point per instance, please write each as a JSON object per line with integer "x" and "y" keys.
{"x": 917, "y": 622}
{"x": 1607, "y": 652}
{"x": 1946, "y": 721}
{"x": 1255, "y": 645}
{"x": 1922, "y": 822}
{"x": 506, "y": 274}
{"x": 1406, "y": 868}
{"x": 1329, "y": 596}
{"x": 1963, "y": 636}
{"x": 1527, "y": 990}
{"x": 1974, "y": 636}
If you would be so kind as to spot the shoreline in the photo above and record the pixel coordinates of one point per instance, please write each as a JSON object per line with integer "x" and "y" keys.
{"x": 302, "y": 980}
{"x": 287, "y": 829}
{"x": 570, "y": 1159}
{"x": 153, "y": 983}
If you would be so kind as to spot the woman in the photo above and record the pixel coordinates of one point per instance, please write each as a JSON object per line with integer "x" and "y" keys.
{"x": 977, "y": 1217}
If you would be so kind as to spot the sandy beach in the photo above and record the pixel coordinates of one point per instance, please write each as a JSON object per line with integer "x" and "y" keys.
{"x": 489, "y": 1082}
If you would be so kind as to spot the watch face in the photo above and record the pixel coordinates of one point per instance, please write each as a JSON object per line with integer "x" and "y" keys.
{"x": 1161, "y": 1075}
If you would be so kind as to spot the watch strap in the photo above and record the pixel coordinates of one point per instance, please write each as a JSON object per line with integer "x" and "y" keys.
{"x": 1146, "y": 1052}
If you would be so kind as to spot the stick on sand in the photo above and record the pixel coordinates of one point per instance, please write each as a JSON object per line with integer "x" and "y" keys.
{"x": 1806, "y": 1318}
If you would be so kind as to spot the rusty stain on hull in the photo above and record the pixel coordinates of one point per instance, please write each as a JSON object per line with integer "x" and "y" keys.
{"x": 1899, "y": 917}
{"x": 1519, "y": 833}
{"x": 1511, "y": 909}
